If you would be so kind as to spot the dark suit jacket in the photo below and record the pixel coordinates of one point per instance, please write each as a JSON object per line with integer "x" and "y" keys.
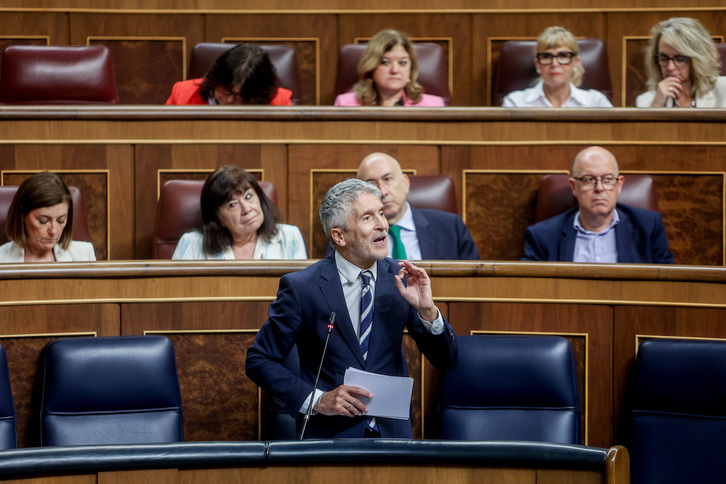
{"x": 443, "y": 235}
{"x": 299, "y": 316}
{"x": 640, "y": 237}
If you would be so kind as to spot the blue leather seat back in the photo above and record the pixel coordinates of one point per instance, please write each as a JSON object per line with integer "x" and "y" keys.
{"x": 110, "y": 390}
{"x": 678, "y": 412}
{"x": 511, "y": 388}
{"x": 8, "y": 435}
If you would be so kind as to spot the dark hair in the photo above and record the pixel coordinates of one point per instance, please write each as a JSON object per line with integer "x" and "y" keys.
{"x": 247, "y": 66}
{"x": 221, "y": 185}
{"x": 41, "y": 190}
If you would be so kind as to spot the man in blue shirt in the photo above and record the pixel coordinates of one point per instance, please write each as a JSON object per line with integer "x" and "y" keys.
{"x": 599, "y": 229}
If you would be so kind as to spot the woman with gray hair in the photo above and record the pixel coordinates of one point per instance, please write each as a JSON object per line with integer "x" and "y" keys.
{"x": 683, "y": 67}
{"x": 557, "y": 60}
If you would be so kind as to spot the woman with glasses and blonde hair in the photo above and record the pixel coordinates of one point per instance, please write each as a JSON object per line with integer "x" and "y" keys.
{"x": 557, "y": 60}
{"x": 683, "y": 66}
{"x": 388, "y": 73}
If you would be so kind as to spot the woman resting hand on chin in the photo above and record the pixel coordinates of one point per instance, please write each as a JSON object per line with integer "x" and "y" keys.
{"x": 682, "y": 65}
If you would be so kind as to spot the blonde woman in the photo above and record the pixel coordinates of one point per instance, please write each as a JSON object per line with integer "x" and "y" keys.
{"x": 683, "y": 66}
{"x": 557, "y": 60}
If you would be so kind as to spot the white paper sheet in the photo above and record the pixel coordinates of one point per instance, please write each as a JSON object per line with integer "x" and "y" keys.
{"x": 391, "y": 394}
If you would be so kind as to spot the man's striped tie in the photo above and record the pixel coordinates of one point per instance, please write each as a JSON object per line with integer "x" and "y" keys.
{"x": 366, "y": 313}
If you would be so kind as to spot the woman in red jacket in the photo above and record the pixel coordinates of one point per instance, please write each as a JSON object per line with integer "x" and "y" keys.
{"x": 242, "y": 75}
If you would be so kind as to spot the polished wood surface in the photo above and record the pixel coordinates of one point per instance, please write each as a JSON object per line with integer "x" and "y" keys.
{"x": 496, "y": 158}
{"x": 212, "y": 310}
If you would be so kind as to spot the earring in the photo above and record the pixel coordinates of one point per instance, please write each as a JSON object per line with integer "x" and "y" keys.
{"x": 408, "y": 81}
{"x": 537, "y": 70}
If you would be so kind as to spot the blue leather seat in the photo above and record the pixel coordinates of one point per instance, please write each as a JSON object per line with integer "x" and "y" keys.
{"x": 8, "y": 435}
{"x": 511, "y": 388}
{"x": 677, "y": 412}
{"x": 110, "y": 390}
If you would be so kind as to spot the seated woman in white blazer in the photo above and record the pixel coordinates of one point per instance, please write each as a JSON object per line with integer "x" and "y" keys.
{"x": 40, "y": 224}
{"x": 683, "y": 66}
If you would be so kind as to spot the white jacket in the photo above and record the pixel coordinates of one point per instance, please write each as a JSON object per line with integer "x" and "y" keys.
{"x": 78, "y": 251}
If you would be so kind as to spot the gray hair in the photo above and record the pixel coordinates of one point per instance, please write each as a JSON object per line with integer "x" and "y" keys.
{"x": 337, "y": 205}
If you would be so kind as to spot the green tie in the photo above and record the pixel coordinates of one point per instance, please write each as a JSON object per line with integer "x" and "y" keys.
{"x": 399, "y": 251}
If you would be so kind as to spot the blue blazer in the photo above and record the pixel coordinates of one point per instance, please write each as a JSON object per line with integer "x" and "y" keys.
{"x": 299, "y": 316}
{"x": 639, "y": 236}
{"x": 443, "y": 235}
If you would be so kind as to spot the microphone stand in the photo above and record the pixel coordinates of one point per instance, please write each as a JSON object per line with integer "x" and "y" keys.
{"x": 309, "y": 411}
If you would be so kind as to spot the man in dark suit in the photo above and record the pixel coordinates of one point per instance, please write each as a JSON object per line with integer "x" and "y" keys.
{"x": 599, "y": 229}
{"x": 425, "y": 234}
{"x": 353, "y": 217}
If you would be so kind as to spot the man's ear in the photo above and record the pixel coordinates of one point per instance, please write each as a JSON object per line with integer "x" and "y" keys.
{"x": 571, "y": 182}
{"x": 407, "y": 182}
{"x": 338, "y": 236}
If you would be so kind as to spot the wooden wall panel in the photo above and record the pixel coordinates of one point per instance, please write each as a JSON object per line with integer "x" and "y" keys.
{"x": 692, "y": 209}
{"x": 342, "y": 6}
{"x": 149, "y": 50}
{"x": 26, "y": 330}
{"x": 210, "y": 341}
{"x": 146, "y": 68}
{"x": 498, "y": 228}
{"x": 312, "y": 36}
{"x": 452, "y": 30}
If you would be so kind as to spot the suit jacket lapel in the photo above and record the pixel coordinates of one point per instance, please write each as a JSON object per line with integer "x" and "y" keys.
{"x": 333, "y": 293}
{"x": 624, "y": 239}
{"x": 567, "y": 242}
{"x": 426, "y": 237}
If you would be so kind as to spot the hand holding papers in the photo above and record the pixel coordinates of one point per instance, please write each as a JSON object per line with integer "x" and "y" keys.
{"x": 391, "y": 394}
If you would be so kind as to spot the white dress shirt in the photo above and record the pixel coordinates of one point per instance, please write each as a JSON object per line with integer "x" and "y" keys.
{"x": 534, "y": 97}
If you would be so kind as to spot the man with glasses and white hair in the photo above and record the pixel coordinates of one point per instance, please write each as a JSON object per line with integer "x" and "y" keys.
{"x": 599, "y": 229}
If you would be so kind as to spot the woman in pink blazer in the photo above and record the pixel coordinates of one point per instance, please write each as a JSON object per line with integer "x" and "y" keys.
{"x": 388, "y": 73}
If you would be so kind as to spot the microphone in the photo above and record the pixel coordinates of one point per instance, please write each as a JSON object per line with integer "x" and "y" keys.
{"x": 308, "y": 412}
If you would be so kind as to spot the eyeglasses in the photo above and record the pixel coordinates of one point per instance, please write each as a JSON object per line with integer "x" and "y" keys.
{"x": 563, "y": 58}
{"x": 588, "y": 181}
{"x": 227, "y": 92}
{"x": 678, "y": 60}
